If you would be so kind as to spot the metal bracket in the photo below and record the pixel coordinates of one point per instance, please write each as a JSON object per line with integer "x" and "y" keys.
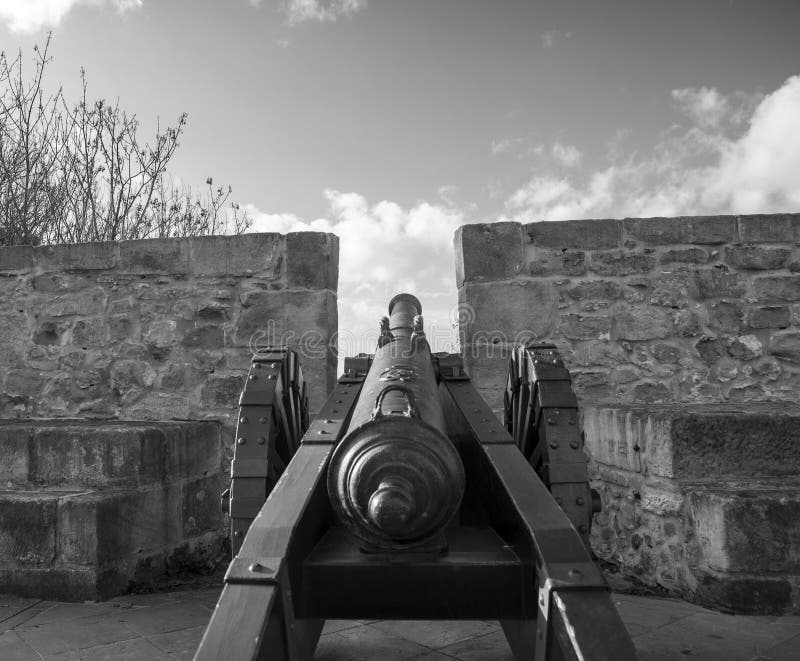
{"x": 254, "y": 571}
{"x": 450, "y": 367}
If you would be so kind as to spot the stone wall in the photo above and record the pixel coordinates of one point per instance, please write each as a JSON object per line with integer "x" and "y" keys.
{"x": 652, "y": 315}
{"x": 160, "y": 329}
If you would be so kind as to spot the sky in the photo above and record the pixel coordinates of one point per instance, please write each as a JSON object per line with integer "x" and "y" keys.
{"x": 392, "y": 122}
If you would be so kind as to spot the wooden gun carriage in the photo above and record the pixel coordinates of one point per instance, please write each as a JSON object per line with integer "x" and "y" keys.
{"x": 406, "y": 498}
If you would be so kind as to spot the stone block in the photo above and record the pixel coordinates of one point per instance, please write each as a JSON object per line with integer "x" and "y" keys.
{"x": 748, "y": 526}
{"x": 785, "y": 345}
{"x": 96, "y": 256}
{"x": 312, "y": 260}
{"x": 769, "y": 228}
{"x": 719, "y": 283}
{"x": 621, "y": 262}
{"x": 673, "y": 289}
{"x": 758, "y": 258}
{"x": 584, "y": 327}
{"x": 687, "y": 230}
{"x": 88, "y": 302}
{"x": 237, "y": 256}
{"x": 155, "y": 256}
{"x": 556, "y": 262}
{"x": 577, "y": 234}
{"x": 593, "y": 290}
{"x": 488, "y": 251}
{"x": 207, "y": 336}
{"x": 697, "y": 441}
{"x": 710, "y": 349}
{"x": 28, "y": 528}
{"x": 774, "y": 316}
{"x": 16, "y": 258}
{"x": 726, "y": 316}
{"x": 508, "y": 312}
{"x": 487, "y": 365}
{"x": 745, "y": 347}
{"x": 641, "y": 323}
{"x": 743, "y": 594}
{"x": 650, "y": 392}
{"x": 777, "y": 288}
{"x": 90, "y": 333}
{"x": 684, "y": 255}
{"x": 222, "y": 391}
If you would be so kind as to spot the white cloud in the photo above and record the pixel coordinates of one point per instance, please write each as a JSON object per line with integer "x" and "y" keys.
{"x": 741, "y": 154}
{"x": 33, "y": 15}
{"x": 567, "y": 155}
{"x": 300, "y": 11}
{"x": 550, "y": 37}
{"x": 384, "y": 249}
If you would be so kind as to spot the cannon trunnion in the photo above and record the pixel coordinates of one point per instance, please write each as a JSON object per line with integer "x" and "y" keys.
{"x": 406, "y": 498}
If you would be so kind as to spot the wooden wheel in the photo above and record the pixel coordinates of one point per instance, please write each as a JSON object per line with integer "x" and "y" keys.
{"x": 273, "y": 416}
{"x": 541, "y": 413}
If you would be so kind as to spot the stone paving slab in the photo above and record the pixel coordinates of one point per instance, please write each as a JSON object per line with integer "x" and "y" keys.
{"x": 169, "y": 625}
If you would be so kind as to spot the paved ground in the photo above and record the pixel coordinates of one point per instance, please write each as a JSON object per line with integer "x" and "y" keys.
{"x": 169, "y": 625}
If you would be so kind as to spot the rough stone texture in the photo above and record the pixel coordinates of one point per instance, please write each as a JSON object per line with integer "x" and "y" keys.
{"x": 702, "y": 500}
{"x": 92, "y": 508}
{"x": 149, "y": 328}
{"x": 657, "y": 311}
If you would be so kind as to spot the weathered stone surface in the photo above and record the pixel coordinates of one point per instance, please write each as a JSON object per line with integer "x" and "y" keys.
{"x": 490, "y": 251}
{"x": 210, "y": 336}
{"x": 745, "y": 347}
{"x": 710, "y": 349}
{"x": 641, "y": 323}
{"x": 312, "y": 260}
{"x": 607, "y": 290}
{"x": 682, "y": 230}
{"x": 757, "y": 257}
{"x": 726, "y": 316}
{"x": 666, "y": 353}
{"x": 621, "y": 262}
{"x": 556, "y": 262}
{"x": 578, "y": 234}
{"x": 16, "y": 258}
{"x": 90, "y": 333}
{"x": 87, "y": 302}
{"x": 76, "y": 256}
{"x": 772, "y": 228}
{"x": 222, "y": 390}
{"x": 775, "y": 316}
{"x": 777, "y": 288}
{"x": 687, "y": 255}
{"x": 786, "y": 345}
{"x": 239, "y": 256}
{"x": 508, "y": 312}
{"x": 584, "y": 327}
{"x": 673, "y": 289}
{"x": 154, "y": 256}
{"x": 718, "y": 282}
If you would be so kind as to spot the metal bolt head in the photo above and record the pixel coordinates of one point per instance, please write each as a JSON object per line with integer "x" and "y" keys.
{"x": 256, "y": 366}
{"x": 574, "y": 445}
{"x": 583, "y": 528}
{"x": 551, "y": 421}
{"x": 559, "y": 500}
{"x": 575, "y": 573}
{"x": 237, "y": 533}
{"x": 261, "y": 440}
{"x": 554, "y": 445}
{"x": 253, "y": 377}
{"x": 262, "y": 420}
{"x": 579, "y": 500}
{"x": 241, "y": 440}
{"x": 243, "y": 420}
{"x": 273, "y": 365}
{"x": 256, "y": 567}
{"x": 270, "y": 377}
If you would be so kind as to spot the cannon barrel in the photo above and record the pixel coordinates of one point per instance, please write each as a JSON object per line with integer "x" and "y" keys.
{"x": 395, "y": 480}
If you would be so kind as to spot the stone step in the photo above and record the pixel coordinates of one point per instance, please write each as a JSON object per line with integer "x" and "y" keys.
{"x": 746, "y": 543}
{"x": 691, "y": 442}
{"x": 92, "y": 544}
{"x": 101, "y": 453}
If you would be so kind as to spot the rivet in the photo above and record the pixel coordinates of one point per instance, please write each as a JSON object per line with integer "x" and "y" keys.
{"x": 241, "y": 440}
{"x": 253, "y": 377}
{"x": 338, "y": 401}
{"x": 572, "y": 422}
{"x": 257, "y": 366}
{"x": 551, "y": 421}
{"x": 261, "y": 440}
{"x": 554, "y": 445}
{"x": 256, "y": 567}
{"x": 262, "y": 420}
{"x": 270, "y": 377}
{"x": 559, "y": 500}
{"x": 237, "y": 533}
{"x": 583, "y": 527}
{"x": 573, "y": 445}
{"x": 636, "y": 448}
{"x": 322, "y": 432}
{"x": 335, "y": 411}
{"x": 580, "y": 500}
{"x": 274, "y": 365}
{"x": 329, "y": 422}
{"x": 243, "y": 420}
{"x": 575, "y": 573}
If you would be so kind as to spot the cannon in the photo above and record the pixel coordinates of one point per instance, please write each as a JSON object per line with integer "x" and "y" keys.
{"x": 407, "y": 498}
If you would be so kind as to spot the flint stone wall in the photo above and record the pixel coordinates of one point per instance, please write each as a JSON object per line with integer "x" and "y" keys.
{"x": 160, "y": 329}
{"x": 649, "y": 313}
